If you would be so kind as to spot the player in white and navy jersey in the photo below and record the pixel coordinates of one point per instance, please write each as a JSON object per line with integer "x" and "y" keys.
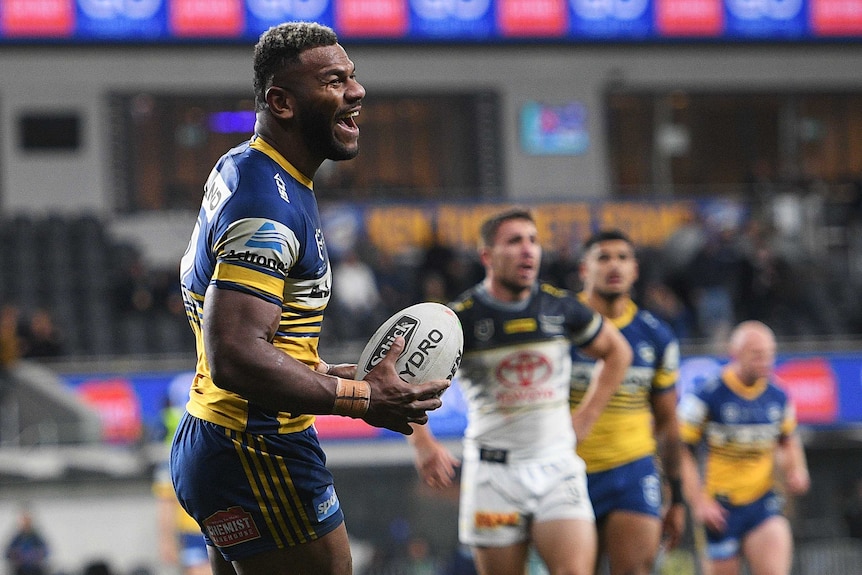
{"x": 522, "y": 482}
{"x": 638, "y": 424}
{"x": 246, "y": 463}
{"x": 743, "y": 421}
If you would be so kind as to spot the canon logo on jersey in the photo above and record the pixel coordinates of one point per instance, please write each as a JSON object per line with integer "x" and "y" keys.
{"x": 405, "y": 327}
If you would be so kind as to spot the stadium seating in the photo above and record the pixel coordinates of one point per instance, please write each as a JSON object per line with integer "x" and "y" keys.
{"x": 69, "y": 265}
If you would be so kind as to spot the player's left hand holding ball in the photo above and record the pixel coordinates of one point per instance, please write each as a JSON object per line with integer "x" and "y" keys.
{"x": 345, "y": 370}
{"x": 394, "y": 403}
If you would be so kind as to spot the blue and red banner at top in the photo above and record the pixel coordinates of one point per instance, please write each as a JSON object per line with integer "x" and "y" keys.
{"x": 428, "y": 21}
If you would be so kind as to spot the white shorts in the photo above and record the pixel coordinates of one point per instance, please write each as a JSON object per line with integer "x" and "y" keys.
{"x": 500, "y": 501}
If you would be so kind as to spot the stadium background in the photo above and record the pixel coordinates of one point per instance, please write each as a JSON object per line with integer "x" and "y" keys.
{"x": 75, "y": 208}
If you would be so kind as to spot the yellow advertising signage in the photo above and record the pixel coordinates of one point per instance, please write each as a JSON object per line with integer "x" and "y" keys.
{"x": 398, "y": 228}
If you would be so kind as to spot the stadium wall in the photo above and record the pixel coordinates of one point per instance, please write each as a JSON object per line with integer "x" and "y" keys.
{"x": 52, "y": 79}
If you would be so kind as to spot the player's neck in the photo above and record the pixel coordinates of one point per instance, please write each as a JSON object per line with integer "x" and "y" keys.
{"x": 745, "y": 378}
{"x": 612, "y": 306}
{"x": 505, "y": 293}
{"x": 290, "y": 145}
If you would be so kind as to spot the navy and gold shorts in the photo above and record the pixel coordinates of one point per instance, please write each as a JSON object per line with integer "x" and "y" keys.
{"x": 252, "y": 493}
{"x": 634, "y": 487}
{"x": 741, "y": 520}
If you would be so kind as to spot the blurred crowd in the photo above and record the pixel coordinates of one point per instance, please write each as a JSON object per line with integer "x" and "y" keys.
{"x": 706, "y": 277}
{"x": 710, "y": 274}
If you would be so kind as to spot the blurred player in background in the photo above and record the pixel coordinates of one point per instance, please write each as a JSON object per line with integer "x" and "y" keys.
{"x": 744, "y": 422}
{"x": 246, "y": 462}
{"x": 522, "y": 481}
{"x": 638, "y": 423}
{"x": 181, "y": 542}
{"x": 27, "y": 552}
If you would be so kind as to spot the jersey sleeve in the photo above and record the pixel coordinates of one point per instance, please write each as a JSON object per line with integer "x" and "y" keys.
{"x": 692, "y": 413}
{"x": 667, "y": 371}
{"x": 255, "y": 239}
{"x": 789, "y": 421}
{"x": 667, "y": 366}
{"x": 253, "y": 255}
{"x": 583, "y": 323}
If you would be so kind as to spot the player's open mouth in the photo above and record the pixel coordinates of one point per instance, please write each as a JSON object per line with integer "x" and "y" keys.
{"x": 347, "y": 120}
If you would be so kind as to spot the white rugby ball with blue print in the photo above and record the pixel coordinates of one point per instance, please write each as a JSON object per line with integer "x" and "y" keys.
{"x": 434, "y": 342}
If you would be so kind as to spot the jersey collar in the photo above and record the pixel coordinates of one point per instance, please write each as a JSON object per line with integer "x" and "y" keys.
{"x": 739, "y": 388}
{"x": 262, "y": 145}
{"x": 623, "y": 319}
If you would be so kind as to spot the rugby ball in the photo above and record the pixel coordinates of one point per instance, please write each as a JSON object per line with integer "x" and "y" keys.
{"x": 433, "y": 346}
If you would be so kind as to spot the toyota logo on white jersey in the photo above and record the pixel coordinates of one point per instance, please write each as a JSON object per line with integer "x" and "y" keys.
{"x": 524, "y": 369}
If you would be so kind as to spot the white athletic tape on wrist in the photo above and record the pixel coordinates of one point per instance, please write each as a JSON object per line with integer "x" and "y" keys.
{"x": 351, "y": 397}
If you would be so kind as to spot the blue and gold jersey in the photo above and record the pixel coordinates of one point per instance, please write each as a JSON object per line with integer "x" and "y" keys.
{"x": 624, "y": 431}
{"x": 516, "y": 368}
{"x": 741, "y": 427}
{"x": 258, "y": 232}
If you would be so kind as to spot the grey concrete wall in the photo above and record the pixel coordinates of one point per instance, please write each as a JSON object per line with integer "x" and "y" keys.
{"x": 81, "y": 524}
{"x": 79, "y": 79}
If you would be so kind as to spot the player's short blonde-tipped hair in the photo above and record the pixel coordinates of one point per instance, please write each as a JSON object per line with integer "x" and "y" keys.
{"x": 282, "y": 45}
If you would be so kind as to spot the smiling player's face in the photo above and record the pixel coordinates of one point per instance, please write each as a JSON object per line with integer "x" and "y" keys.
{"x": 329, "y": 98}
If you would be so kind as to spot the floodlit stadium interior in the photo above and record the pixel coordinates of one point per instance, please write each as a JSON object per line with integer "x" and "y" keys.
{"x": 735, "y": 167}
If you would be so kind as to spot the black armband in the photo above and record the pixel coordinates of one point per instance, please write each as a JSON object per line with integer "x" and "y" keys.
{"x": 675, "y": 491}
